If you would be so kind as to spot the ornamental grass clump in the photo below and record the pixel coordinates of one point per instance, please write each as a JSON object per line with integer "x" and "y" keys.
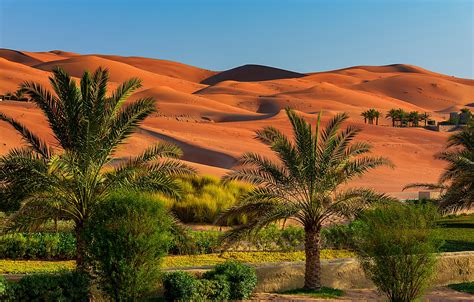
{"x": 397, "y": 249}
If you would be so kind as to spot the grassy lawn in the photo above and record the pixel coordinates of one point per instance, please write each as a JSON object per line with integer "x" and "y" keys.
{"x": 33, "y": 266}
{"x": 457, "y": 232}
{"x": 324, "y": 293}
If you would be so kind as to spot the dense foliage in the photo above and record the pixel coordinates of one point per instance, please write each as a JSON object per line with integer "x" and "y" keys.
{"x": 396, "y": 247}
{"x": 66, "y": 286}
{"x": 46, "y": 246}
{"x": 126, "y": 238}
{"x": 228, "y": 281}
{"x": 306, "y": 184}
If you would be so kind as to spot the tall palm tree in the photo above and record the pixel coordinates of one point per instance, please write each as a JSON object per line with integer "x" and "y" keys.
{"x": 457, "y": 181}
{"x": 305, "y": 184}
{"x": 88, "y": 126}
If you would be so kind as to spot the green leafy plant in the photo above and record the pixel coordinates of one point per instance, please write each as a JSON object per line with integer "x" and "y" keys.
{"x": 241, "y": 277}
{"x": 179, "y": 286}
{"x": 66, "y": 286}
{"x": 396, "y": 247}
{"x": 46, "y": 246}
{"x": 126, "y": 238}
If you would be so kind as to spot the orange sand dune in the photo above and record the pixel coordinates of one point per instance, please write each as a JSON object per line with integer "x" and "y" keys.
{"x": 119, "y": 72}
{"x": 213, "y": 116}
{"x": 163, "y": 67}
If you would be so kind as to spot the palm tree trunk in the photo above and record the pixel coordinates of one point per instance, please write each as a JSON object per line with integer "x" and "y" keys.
{"x": 80, "y": 246}
{"x": 312, "y": 277}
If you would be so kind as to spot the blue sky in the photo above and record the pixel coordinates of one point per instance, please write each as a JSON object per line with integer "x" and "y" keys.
{"x": 220, "y": 34}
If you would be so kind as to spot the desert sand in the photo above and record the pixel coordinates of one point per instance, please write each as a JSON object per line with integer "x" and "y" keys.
{"x": 212, "y": 115}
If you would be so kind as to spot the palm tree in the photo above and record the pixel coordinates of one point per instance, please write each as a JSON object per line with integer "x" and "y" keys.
{"x": 305, "y": 185}
{"x": 425, "y": 117}
{"x": 365, "y": 115}
{"x": 414, "y": 117}
{"x": 457, "y": 181}
{"x": 394, "y": 115}
{"x": 88, "y": 126}
{"x": 377, "y": 116}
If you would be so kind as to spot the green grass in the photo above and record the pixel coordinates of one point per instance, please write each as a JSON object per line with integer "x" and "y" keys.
{"x": 182, "y": 261}
{"x": 324, "y": 292}
{"x": 457, "y": 232}
{"x": 467, "y": 287}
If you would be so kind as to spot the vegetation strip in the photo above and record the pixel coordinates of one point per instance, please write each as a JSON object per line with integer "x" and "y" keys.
{"x": 33, "y": 266}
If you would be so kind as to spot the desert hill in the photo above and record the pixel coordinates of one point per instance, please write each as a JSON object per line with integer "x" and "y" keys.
{"x": 213, "y": 115}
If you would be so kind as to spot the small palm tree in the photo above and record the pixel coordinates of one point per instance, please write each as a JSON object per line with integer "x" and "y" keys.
{"x": 457, "y": 181}
{"x": 425, "y": 117}
{"x": 88, "y": 126}
{"x": 365, "y": 115}
{"x": 305, "y": 184}
{"x": 377, "y": 116}
{"x": 394, "y": 115}
{"x": 414, "y": 117}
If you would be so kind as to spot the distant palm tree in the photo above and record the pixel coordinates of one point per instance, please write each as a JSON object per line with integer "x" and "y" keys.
{"x": 371, "y": 115}
{"x": 365, "y": 115}
{"x": 88, "y": 126}
{"x": 393, "y": 114}
{"x": 377, "y": 116}
{"x": 305, "y": 184}
{"x": 414, "y": 117}
{"x": 425, "y": 117}
{"x": 457, "y": 181}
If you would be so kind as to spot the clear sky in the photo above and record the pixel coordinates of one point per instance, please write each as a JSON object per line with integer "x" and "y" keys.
{"x": 220, "y": 34}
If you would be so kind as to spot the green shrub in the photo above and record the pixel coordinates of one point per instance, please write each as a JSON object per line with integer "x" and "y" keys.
{"x": 212, "y": 290}
{"x": 48, "y": 246}
{"x": 179, "y": 286}
{"x": 396, "y": 247}
{"x": 4, "y": 288}
{"x": 242, "y": 278}
{"x": 126, "y": 237}
{"x": 67, "y": 286}
{"x": 340, "y": 236}
{"x": 204, "y": 199}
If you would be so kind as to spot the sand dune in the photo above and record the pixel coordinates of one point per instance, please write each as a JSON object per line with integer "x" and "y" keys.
{"x": 119, "y": 72}
{"x": 212, "y": 115}
{"x": 252, "y": 73}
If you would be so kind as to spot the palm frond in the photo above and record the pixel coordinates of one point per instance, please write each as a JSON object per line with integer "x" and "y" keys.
{"x": 37, "y": 144}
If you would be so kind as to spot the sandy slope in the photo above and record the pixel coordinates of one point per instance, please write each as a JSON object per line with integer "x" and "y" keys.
{"x": 213, "y": 115}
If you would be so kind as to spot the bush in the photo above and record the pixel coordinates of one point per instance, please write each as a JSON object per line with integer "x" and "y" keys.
{"x": 340, "y": 236}
{"x": 126, "y": 237}
{"x": 396, "y": 248}
{"x": 228, "y": 281}
{"x": 47, "y": 246}
{"x": 179, "y": 286}
{"x": 242, "y": 278}
{"x": 212, "y": 290}
{"x": 67, "y": 286}
{"x": 204, "y": 199}
{"x": 4, "y": 288}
